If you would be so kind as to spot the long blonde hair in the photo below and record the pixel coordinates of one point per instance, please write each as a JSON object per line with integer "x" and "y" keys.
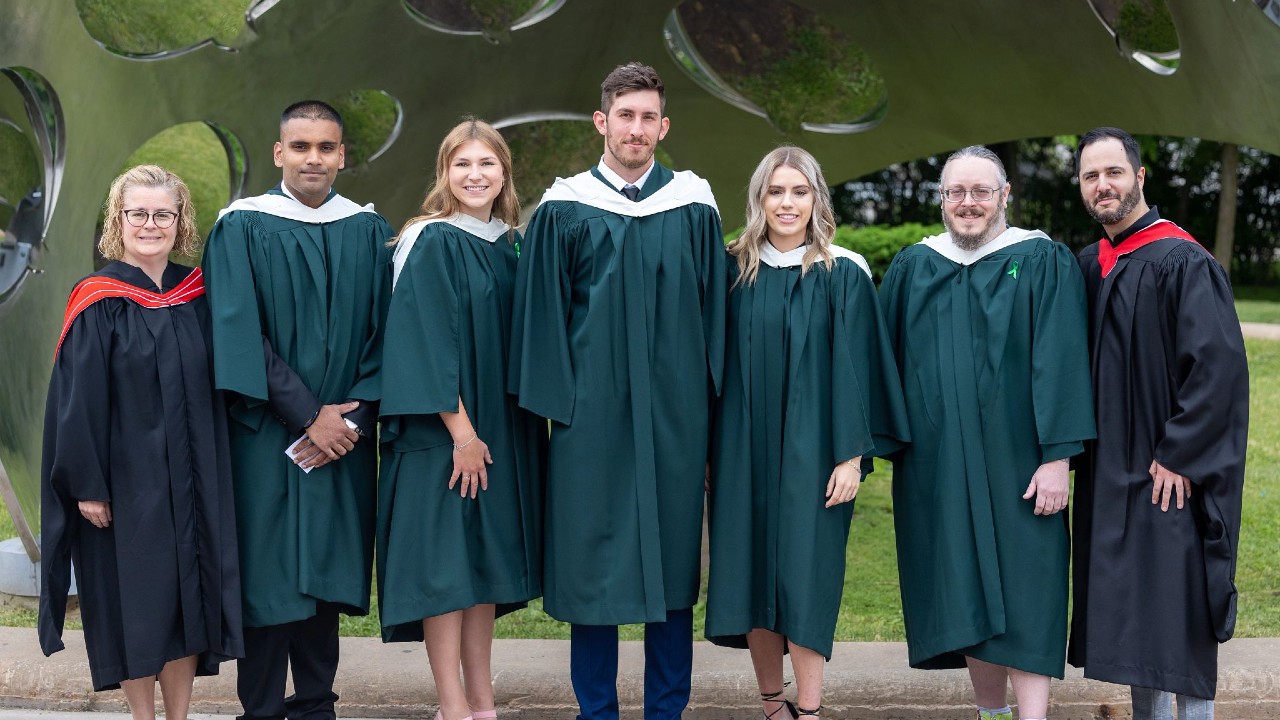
{"x": 822, "y": 223}
{"x": 440, "y": 202}
{"x": 187, "y": 242}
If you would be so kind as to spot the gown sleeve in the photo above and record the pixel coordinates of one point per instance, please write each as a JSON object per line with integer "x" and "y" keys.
{"x": 870, "y": 417}
{"x": 368, "y": 385}
{"x": 710, "y": 258}
{"x": 541, "y": 370}
{"x": 1207, "y": 433}
{"x": 1205, "y": 438}
{"x": 76, "y": 458}
{"x": 238, "y": 361}
{"x": 1062, "y": 397}
{"x": 421, "y": 354}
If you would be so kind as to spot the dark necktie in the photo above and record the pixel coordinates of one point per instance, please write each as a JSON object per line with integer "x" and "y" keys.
{"x": 631, "y": 191}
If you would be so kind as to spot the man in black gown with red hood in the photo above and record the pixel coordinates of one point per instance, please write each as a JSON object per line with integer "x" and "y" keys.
{"x": 1158, "y": 494}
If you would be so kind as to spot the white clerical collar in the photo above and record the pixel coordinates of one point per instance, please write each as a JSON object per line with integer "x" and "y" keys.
{"x": 946, "y": 247}
{"x": 487, "y": 231}
{"x": 773, "y": 257}
{"x": 288, "y": 207}
{"x": 616, "y": 180}
{"x": 685, "y": 188}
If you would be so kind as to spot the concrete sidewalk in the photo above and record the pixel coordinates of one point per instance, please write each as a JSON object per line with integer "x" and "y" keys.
{"x": 1264, "y": 331}
{"x": 864, "y": 680}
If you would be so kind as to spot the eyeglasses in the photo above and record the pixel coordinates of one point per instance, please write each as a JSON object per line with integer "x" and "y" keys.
{"x": 139, "y": 218}
{"x": 979, "y": 194}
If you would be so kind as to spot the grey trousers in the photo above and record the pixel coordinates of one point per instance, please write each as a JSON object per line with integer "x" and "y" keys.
{"x": 1149, "y": 704}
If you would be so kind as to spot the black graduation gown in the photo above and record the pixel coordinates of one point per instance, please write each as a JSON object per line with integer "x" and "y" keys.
{"x": 1155, "y": 591}
{"x": 132, "y": 418}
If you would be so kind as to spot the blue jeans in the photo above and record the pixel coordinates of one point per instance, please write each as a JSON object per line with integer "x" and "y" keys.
{"x": 668, "y": 665}
{"x": 1149, "y": 704}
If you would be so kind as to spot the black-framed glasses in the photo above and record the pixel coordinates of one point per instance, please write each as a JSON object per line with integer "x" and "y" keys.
{"x": 162, "y": 218}
{"x": 979, "y": 194}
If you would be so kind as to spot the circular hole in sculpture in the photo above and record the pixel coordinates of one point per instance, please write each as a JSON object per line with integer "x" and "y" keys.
{"x": 1144, "y": 32}
{"x": 778, "y": 60}
{"x": 156, "y": 30}
{"x": 493, "y": 19}
{"x": 371, "y": 121}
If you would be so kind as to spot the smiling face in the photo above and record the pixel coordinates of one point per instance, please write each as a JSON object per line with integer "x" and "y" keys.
{"x": 475, "y": 178}
{"x": 788, "y": 207}
{"x": 632, "y": 129}
{"x": 1110, "y": 187}
{"x": 310, "y": 153}
{"x": 972, "y": 223}
{"x": 148, "y": 246}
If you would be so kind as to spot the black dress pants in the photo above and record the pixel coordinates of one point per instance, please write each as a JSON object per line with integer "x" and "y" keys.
{"x": 307, "y": 647}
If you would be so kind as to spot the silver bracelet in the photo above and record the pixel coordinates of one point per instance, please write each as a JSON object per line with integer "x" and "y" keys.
{"x": 457, "y": 447}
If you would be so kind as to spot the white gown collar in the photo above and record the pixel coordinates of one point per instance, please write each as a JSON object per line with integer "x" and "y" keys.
{"x": 773, "y": 257}
{"x": 487, "y": 231}
{"x": 685, "y": 188}
{"x": 946, "y": 247}
{"x": 285, "y": 206}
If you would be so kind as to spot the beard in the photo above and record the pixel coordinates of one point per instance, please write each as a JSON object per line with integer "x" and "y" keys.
{"x": 972, "y": 241}
{"x": 631, "y": 162}
{"x": 1126, "y": 206}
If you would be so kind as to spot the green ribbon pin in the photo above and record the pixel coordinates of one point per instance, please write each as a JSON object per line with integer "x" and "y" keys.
{"x": 1013, "y": 271}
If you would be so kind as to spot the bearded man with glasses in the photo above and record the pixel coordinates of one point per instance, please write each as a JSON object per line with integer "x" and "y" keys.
{"x": 988, "y": 327}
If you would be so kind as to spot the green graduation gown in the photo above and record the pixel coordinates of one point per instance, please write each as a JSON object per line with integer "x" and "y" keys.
{"x": 448, "y": 333}
{"x": 315, "y": 287}
{"x": 618, "y": 338}
{"x": 992, "y": 350}
{"x": 810, "y": 382}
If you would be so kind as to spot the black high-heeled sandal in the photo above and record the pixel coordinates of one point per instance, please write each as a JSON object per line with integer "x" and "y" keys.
{"x": 782, "y": 703}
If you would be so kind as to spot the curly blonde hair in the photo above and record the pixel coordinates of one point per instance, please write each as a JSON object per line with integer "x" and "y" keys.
{"x": 187, "y": 242}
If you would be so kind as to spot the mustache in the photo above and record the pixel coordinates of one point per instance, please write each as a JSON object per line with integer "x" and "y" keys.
{"x": 1106, "y": 195}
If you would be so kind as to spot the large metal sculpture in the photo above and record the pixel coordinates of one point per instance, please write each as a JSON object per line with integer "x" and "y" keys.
{"x": 951, "y": 74}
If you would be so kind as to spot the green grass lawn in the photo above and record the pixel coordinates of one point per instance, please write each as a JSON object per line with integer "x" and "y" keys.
{"x": 871, "y": 609}
{"x": 1258, "y": 303}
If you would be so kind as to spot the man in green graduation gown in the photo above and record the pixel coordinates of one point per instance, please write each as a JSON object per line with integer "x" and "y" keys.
{"x": 988, "y": 327}
{"x": 298, "y": 282}
{"x": 1158, "y": 496}
{"x": 618, "y": 339}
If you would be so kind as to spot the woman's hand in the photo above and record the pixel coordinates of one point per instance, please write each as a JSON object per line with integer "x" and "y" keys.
{"x": 845, "y": 481}
{"x": 469, "y": 461}
{"x": 97, "y": 512}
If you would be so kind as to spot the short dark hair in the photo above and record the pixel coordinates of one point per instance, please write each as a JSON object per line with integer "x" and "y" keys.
{"x": 1130, "y": 145}
{"x": 628, "y": 78}
{"x": 311, "y": 110}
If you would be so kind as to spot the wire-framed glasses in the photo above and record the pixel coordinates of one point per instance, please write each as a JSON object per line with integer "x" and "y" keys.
{"x": 979, "y": 194}
{"x": 162, "y": 218}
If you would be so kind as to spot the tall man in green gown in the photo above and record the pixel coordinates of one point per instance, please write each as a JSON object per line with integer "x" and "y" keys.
{"x": 618, "y": 339}
{"x": 988, "y": 327}
{"x": 298, "y": 282}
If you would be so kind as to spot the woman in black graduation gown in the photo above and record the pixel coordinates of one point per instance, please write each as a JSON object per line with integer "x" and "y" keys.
{"x": 459, "y": 496}
{"x": 136, "y": 486}
{"x": 811, "y": 393}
